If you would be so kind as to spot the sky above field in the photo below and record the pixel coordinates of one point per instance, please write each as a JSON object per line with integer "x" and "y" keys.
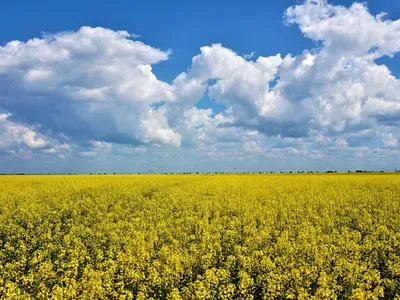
{"x": 187, "y": 86}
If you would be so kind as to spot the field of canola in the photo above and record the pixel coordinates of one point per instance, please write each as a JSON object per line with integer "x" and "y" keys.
{"x": 200, "y": 237}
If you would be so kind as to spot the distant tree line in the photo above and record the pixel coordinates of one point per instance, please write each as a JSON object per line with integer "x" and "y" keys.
{"x": 204, "y": 173}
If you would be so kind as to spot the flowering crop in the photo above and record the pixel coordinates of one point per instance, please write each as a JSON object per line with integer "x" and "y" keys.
{"x": 200, "y": 237}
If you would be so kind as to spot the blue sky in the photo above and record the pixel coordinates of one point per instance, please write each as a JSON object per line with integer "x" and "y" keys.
{"x": 290, "y": 116}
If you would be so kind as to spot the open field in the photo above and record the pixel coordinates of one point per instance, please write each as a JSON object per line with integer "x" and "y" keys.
{"x": 200, "y": 236}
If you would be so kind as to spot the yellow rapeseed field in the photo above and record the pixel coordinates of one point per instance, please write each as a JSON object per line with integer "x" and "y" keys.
{"x": 200, "y": 237}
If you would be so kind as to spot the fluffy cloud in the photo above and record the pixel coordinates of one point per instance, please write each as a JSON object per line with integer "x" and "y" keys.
{"x": 352, "y": 30}
{"x": 25, "y": 141}
{"x": 94, "y": 88}
{"x": 14, "y": 135}
{"x": 340, "y": 84}
{"x": 91, "y": 84}
{"x": 335, "y": 88}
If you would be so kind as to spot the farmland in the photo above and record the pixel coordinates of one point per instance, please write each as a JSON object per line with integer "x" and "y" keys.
{"x": 309, "y": 236}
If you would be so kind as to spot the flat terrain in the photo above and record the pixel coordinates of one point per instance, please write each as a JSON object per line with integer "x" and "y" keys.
{"x": 200, "y": 236}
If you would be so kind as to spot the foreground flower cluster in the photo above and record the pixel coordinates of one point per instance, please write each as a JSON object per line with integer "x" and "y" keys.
{"x": 200, "y": 237}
